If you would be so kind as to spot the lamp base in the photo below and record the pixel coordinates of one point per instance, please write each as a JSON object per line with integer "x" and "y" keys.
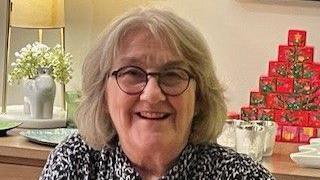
{"x": 15, "y": 113}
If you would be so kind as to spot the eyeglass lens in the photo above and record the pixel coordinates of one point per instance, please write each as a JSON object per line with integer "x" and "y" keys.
{"x": 132, "y": 80}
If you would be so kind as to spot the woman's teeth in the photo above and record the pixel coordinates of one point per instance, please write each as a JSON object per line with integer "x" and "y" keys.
{"x": 153, "y": 115}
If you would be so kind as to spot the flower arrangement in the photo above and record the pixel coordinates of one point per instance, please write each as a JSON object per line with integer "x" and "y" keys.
{"x": 32, "y": 57}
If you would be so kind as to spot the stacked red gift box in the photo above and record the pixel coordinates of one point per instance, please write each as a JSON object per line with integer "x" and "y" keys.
{"x": 290, "y": 93}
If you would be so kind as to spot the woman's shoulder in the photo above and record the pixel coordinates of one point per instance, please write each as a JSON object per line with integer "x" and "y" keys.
{"x": 74, "y": 144}
{"x": 71, "y": 158}
{"x": 217, "y": 151}
{"x": 229, "y": 163}
{"x": 217, "y": 154}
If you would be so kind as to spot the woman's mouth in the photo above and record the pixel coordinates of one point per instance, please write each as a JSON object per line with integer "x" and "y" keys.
{"x": 153, "y": 115}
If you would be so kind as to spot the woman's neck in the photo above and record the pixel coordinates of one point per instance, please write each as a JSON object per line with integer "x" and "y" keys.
{"x": 150, "y": 174}
{"x": 152, "y": 163}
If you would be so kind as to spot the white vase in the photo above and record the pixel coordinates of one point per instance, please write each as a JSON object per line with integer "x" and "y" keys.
{"x": 39, "y": 95}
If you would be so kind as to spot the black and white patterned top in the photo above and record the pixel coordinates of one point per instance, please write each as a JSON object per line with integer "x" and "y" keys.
{"x": 74, "y": 159}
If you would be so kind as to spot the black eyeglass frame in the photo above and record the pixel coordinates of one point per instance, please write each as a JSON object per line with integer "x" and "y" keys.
{"x": 115, "y": 73}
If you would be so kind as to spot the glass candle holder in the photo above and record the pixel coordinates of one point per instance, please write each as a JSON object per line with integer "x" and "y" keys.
{"x": 250, "y": 140}
{"x": 270, "y": 137}
{"x": 227, "y": 136}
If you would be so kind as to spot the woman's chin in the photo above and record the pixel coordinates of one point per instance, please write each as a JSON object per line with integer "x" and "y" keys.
{"x": 152, "y": 142}
{"x": 152, "y": 139}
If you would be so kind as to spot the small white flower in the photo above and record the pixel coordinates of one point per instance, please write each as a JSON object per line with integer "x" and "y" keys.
{"x": 17, "y": 54}
{"x": 35, "y": 55}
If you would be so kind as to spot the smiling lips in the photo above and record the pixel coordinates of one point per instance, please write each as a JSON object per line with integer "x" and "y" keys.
{"x": 153, "y": 115}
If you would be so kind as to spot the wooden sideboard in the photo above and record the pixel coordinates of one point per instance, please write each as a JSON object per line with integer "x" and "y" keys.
{"x": 283, "y": 168}
{"x": 21, "y": 159}
{"x": 24, "y": 160}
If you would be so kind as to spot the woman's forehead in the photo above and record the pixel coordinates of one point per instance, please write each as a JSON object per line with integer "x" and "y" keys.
{"x": 142, "y": 47}
{"x": 142, "y": 37}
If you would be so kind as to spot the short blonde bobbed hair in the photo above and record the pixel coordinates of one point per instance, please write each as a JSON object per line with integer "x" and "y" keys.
{"x": 92, "y": 117}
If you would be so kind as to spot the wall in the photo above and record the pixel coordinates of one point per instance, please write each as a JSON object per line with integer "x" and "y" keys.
{"x": 243, "y": 34}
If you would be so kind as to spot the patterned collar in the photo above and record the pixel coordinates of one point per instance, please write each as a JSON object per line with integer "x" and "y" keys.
{"x": 116, "y": 162}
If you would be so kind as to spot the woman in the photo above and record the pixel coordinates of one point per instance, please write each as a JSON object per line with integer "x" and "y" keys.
{"x": 151, "y": 106}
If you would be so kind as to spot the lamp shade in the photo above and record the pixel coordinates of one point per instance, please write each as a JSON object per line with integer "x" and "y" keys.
{"x": 37, "y": 13}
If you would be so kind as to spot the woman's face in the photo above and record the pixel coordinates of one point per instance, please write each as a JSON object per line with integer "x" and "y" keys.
{"x": 150, "y": 120}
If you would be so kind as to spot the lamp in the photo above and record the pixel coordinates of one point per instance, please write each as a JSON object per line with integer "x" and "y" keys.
{"x": 33, "y": 14}
{"x": 39, "y": 15}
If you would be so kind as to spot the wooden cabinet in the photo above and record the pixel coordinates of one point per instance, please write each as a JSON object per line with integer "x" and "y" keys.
{"x": 283, "y": 168}
{"x": 19, "y": 172}
{"x": 21, "y": 159}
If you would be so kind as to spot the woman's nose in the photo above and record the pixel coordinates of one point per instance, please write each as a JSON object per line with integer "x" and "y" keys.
{"x": 152, "y": 93}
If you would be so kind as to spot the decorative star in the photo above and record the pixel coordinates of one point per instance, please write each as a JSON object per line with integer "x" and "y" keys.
{"x": 297, "y": 37}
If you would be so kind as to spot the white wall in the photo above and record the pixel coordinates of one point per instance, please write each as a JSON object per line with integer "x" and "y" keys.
{"x": 243, "y": 34}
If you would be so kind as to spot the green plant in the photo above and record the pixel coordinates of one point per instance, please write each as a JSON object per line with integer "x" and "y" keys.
{"x": 32, "y": 57}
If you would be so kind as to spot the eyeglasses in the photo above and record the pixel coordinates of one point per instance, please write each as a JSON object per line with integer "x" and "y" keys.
{"x": 132, "y": 80}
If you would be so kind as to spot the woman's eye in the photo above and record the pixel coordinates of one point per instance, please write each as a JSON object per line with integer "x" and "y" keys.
{"x": 173, "y": 77}
{"x": 176, "y": 74}
{"x": 132, "y": 73}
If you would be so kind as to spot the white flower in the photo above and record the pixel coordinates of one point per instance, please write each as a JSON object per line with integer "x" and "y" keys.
{"x": 17, "y": 54}
{"x": 32, "y": 57}
{"x": 34, "y": 49}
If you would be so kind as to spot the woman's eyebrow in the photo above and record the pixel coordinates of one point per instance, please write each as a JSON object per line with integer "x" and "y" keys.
{"x": 124, "y": 61}
{"x": 130, "y": 61}
{"x": 178, "y": 63}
